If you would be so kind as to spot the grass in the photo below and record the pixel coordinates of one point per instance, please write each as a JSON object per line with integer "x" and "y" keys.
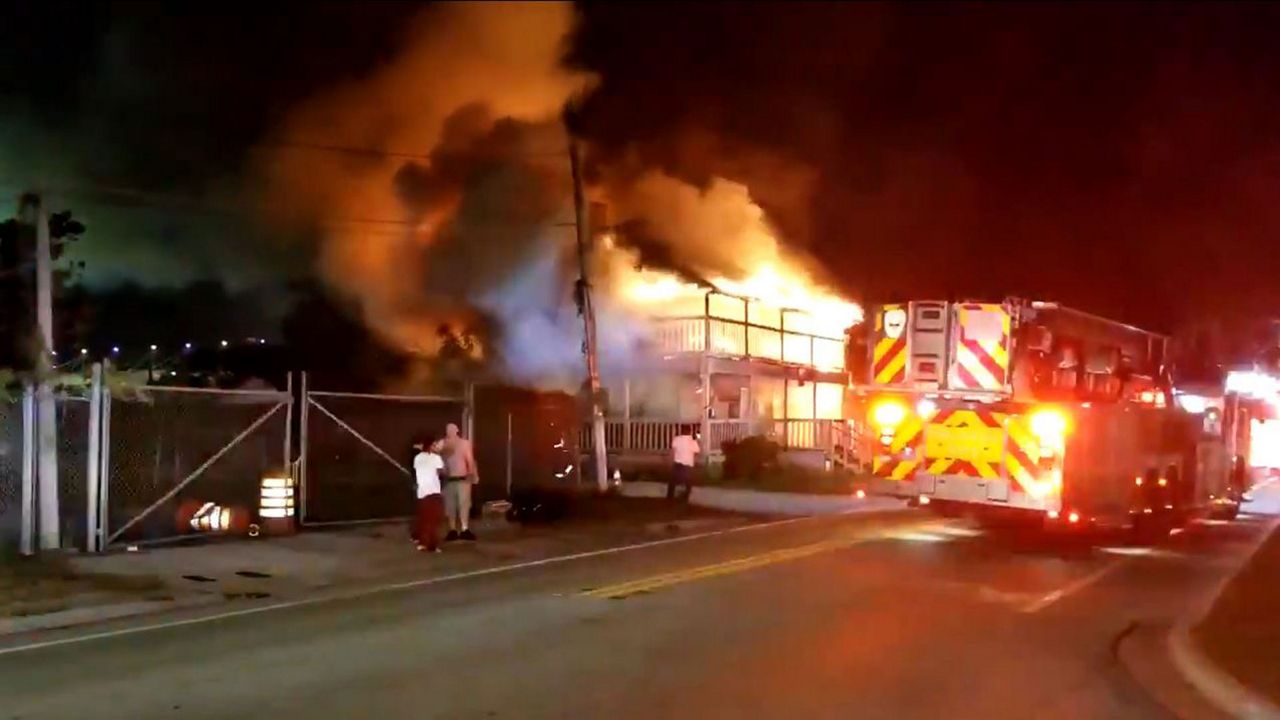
{"x": 48, "y": 583}
{"x": 1241, "y": 632}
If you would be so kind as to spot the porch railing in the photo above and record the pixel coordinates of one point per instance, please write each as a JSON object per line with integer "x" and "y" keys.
{"x": 842, "y": 440}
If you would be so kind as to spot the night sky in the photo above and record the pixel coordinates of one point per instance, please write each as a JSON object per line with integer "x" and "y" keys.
{"x": 1119, "y": 157}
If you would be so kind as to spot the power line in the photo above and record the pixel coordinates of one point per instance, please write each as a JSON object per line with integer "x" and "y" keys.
{"x": 561, "y": 154}
{"x": 133, "y": 198}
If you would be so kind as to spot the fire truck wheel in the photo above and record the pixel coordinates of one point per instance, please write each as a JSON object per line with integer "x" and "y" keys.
{"x": 1147, "y": 530}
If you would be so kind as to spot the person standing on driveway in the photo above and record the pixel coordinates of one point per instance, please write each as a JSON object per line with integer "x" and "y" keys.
{"x": 684, "y": 453}
{"x": 460, "y": 475}
{"x": 427, "y": 466}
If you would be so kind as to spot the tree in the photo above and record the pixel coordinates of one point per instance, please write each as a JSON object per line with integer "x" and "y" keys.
{"x": 17, "y": 296}
{"x": 19, "y": 346}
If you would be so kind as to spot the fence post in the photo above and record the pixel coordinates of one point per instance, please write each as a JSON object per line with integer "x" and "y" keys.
{"x": 626, "y": 414}
{"x": 508, "y": 455}
{"x": 26, "y": 543}
{"x": 104, "y": 463}
{"x": 468, "y": 411}
{"x": 305, "y": 402}
{"x": 288, "y": 426}
{"x": 93, "y": 478}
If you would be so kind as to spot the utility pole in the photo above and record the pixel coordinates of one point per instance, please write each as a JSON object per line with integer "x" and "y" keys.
{"x": 46, "y": 418}
{"x": 588, "y": 318}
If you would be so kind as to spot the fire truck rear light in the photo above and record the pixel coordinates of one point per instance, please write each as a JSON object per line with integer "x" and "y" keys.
{"x": 888, "y": 413}
{"x": 1073, "y": 517}
{"x": 1052, "y": 514}
{"x": 924, "y": 499}
{"x": 1137, "y": 480}
{"x": 1162, "y": 482}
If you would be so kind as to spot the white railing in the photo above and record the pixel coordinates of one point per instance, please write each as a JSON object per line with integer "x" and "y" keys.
{"x": 841, "y": 439}
{"x": 656, "y": 435}
{"x": 746, "y": 340}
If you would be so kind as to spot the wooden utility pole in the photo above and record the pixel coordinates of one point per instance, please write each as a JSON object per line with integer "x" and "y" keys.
{"x": 588, "y": 318}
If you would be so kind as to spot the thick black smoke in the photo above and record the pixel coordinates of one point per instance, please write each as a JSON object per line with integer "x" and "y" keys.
{"x": 1115, "y": 156}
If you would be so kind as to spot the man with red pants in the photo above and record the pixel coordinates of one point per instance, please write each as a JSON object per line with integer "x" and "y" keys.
{"x": 427, "y": 465}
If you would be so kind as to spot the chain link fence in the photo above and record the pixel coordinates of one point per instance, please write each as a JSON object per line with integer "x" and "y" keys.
{"x": 11, "y": 461}
{"x": 358, "y": 451}
{"x": 168, "y": 448}
{"x": 72, "y": 411}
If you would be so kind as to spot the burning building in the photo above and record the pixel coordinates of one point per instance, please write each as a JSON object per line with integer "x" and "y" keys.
{"x": 760, "y": 355}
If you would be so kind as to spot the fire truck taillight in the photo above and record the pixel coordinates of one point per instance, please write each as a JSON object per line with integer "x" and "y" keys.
{"x": 887, "y": 414}
{"x": 1050, "y": 426}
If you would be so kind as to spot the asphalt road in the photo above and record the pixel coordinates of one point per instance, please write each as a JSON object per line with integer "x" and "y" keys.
{"x": 870, "y": 617}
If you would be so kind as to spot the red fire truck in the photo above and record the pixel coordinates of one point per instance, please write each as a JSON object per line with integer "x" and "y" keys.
{"x": 1038, "y": 410}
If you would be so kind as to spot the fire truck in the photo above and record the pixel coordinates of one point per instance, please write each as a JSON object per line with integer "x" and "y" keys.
{"x": 1035, "y": 410}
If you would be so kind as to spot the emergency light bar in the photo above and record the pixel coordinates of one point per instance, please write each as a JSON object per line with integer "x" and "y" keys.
{"x": 1253, "y": 384}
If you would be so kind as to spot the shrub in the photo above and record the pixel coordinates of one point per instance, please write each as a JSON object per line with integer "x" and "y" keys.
{"x": 750, "y": 457}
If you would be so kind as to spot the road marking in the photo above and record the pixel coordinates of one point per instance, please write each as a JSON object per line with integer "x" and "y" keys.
{"x": 655, "y": 582}
{"x": 424, "y": 582}
{"x": 1071, "y": 588}
{"x": 737, "y": 565}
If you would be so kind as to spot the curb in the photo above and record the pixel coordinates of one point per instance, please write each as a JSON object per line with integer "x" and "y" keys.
{"x": 75, "y": 617}
{"x": 1215, "y": 684}
{"x": 761, "y": 502}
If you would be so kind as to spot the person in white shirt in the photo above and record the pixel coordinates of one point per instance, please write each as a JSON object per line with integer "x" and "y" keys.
{"x": 684, "y": 453}
{"x": 460, "y": 475}
{"x": 427, "y": 465}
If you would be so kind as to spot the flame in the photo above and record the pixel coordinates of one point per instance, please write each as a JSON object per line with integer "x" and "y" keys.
{"x": 818, "y": 311}
{"x": 812, "y": 309}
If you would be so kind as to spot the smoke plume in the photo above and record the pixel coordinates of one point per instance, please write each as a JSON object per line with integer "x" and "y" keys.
{"x": 464, "y": 214}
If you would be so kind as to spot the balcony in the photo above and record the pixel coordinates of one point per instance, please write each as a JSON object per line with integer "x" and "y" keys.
{"x": 747, "y": 329}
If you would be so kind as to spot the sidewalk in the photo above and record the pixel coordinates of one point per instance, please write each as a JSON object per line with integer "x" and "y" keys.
{"x": 1223, "y": 658}
{"x": 760, "y": 502}
{"x": 1233, "y": 654}
{"x": 60, "y": 591}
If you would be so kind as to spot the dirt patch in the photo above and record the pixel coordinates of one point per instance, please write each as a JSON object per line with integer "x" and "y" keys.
{"x": 49, "y": 583}
{"x": 1242, "y": 633}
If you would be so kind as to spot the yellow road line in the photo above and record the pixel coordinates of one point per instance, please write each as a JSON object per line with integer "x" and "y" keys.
{"x": 655, "y": 582}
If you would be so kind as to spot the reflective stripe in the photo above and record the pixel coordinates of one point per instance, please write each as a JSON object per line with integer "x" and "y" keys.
{"x": 889, "y": 355}
{"x": 1022, "y": 452}
{"x": 973, "y": 466}
{"x": 890, "y": 360}
{"x": 907, "y": 437}
{"x": 981, "y": 363}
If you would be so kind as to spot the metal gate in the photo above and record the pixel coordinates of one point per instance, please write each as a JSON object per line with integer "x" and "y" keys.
{"x": 166, "y": 449}
{"x": 356, "y": 452}
{"x": 15, "y": 460}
